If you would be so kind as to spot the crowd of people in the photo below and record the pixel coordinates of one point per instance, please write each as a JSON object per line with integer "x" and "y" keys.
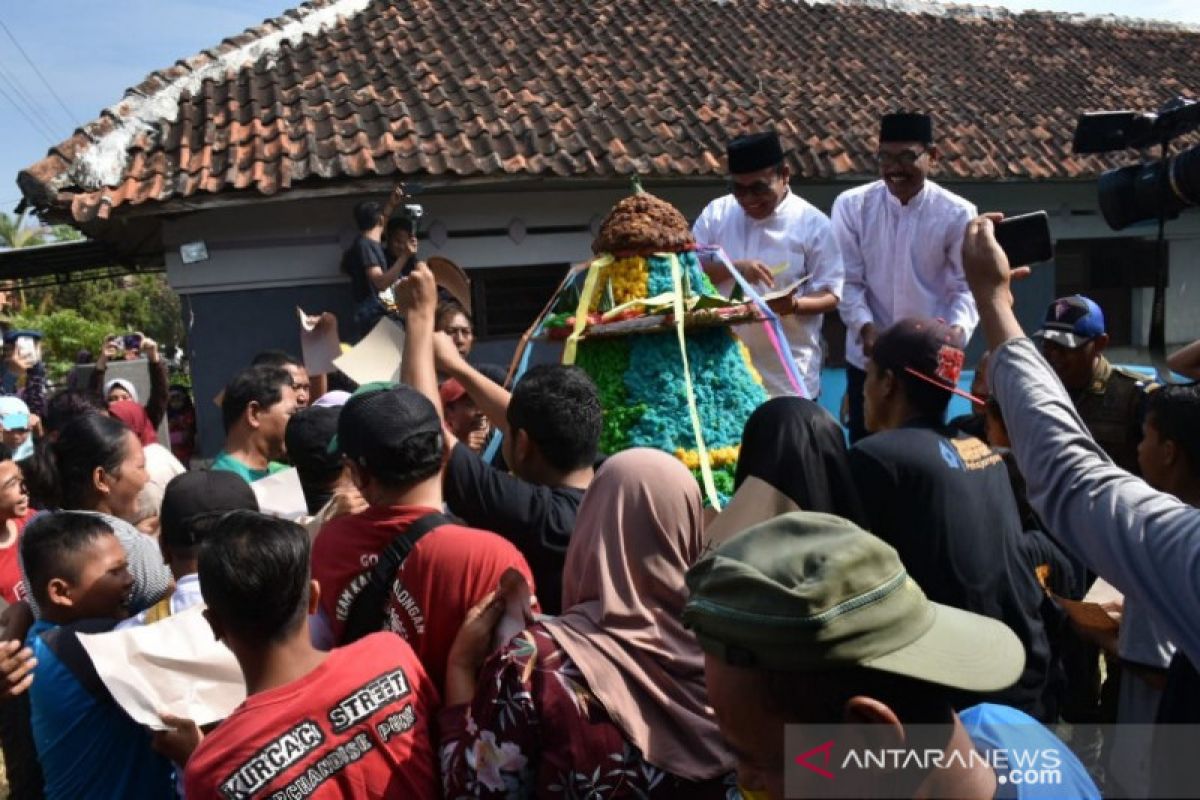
{"x": 478, "y": 602}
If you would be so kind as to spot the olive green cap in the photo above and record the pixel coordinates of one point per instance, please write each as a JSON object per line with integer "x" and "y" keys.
{"x": 807, "y": 591}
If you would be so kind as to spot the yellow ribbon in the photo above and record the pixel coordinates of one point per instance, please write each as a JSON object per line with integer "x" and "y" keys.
{"x": 706, "y": 476}
{"x": 585, "y": 303}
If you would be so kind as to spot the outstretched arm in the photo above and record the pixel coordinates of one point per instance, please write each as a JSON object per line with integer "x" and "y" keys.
{"x": 1186, "y": 361}
{"x": 1144, "y": 542}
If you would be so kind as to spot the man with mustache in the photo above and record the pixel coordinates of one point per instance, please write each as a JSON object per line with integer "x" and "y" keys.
{"x": 773, "y": 238}
{"x": 901, "y": 242}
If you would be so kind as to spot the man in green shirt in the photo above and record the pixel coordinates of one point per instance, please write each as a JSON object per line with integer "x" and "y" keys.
{"x": 256, "y": 407}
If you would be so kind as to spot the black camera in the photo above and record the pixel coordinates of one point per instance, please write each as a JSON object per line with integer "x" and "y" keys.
{"x": 1144, "y": 192}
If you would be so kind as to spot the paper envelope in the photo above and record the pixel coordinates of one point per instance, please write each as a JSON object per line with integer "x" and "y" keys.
{"x": 174, "y": 666}
{"x": 319, "y": 343}
{"x": 281, "y": 495}
{"x": 377, "y": 357}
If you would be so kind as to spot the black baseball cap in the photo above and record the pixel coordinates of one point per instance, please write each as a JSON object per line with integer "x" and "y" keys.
{"x": 194, "y": 500}
{"x": 376, "y": 422}
{"x": 927, "y": 349}
{"x": 308, "y": 435}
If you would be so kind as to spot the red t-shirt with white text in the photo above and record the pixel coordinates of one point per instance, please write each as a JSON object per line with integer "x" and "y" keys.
{"x": 12, "y": 588}
{"x": 356, "y": 726}
{"x": 450, "y": 570}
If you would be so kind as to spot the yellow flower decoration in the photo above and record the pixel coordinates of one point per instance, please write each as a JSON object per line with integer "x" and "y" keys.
{"x": 629, "y": 278}
{"x": 717, "y": 457}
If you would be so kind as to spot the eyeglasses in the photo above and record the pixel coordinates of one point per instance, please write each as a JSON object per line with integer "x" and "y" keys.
{"x": 905, "y": 158}
{"x": 458, "y": 331}
{"x": 756, "y": 189}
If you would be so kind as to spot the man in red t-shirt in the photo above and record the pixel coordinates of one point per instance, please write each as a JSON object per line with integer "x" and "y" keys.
{"x": 350, "y": 723}
{"x": 391, "y": 437}
{"x": 15, "y": 513}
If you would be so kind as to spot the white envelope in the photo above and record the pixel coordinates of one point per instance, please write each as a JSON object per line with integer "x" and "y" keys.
{"x": 377, "y": 357}
{"x": 281, "y": 495}
{"x": 174, "y": 666}
{"x": 319, "y": 343}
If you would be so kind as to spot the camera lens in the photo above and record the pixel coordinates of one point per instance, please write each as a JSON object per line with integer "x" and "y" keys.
{"x": 1140, "y": 193}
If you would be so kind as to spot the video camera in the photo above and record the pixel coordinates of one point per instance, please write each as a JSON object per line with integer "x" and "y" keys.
{"x": 1159, "y": 190}
{"x": 413, "y": 213}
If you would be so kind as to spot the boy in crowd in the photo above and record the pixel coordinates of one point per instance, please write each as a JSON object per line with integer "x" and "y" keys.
{"x": 15, "y": 514}
{"x": 391, "y": 439}
{"x": 17, "y": 426}
{"x": 551, "y": 429}
{"x": 20, "y": 760}
{"x": 366, "y": 261}
{"x": 87, "y": 746}
{"x": 808, "y": 621}
{"x": 350, "y": 723}
{"x": 255, "y": 409}
{"x": 943, "y": 499}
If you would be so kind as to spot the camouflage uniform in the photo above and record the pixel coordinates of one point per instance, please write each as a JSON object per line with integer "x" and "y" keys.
{"x": 1111, "y": 407}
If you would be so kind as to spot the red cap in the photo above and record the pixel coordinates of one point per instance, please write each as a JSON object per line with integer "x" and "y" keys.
{"x": 451, "y": 391}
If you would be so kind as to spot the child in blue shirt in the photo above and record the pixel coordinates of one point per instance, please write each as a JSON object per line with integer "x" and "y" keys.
{"x": 88, "y": 747}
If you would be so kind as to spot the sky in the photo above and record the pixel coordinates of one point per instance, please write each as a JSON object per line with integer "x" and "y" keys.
{"x": 89, "y": 52}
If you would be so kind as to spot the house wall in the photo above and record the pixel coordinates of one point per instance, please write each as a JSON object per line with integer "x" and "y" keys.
{"x": 268, "y": 257}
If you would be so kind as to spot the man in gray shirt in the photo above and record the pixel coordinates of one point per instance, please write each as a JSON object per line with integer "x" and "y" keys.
{"x": 1144, "y": 542}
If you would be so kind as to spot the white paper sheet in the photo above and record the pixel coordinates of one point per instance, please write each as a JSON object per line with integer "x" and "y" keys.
{"x": 377, "y": 357}
{"x": 174, "y": 666}
{"x": 281, "y": 495}
{"x": 319, "y": 343}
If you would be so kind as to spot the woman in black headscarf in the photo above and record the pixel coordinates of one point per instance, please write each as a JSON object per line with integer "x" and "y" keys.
{"x": 798, "y": 447}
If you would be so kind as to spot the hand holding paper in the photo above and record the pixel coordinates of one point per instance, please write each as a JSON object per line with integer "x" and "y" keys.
{"x": 319, "y": 343}
{"x": 377, "y": 357}
{"x": 281, "y": 495}
{"x": 175, "y": 666}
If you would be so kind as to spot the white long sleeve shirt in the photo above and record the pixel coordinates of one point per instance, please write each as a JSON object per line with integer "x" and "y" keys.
{"x": 901, "y": 260}
{"x": 798, "y": 240}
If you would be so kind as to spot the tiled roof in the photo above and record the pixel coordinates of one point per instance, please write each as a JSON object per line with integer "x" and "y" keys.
{"x": 342, "y": 89}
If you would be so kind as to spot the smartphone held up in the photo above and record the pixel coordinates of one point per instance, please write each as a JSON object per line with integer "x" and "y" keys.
{"x": 1025, "y": 239}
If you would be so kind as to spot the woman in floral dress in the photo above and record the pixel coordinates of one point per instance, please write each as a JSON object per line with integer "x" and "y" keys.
{"x": 607, "y": 700}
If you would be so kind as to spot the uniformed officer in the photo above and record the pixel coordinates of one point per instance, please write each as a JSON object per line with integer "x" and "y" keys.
{"x": 1109, "y": 399}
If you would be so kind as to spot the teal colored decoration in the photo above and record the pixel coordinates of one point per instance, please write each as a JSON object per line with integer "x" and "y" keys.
{"x": 725, "y": 393}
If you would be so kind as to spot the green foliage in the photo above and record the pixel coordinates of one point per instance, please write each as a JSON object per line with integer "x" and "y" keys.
{"x": 143, "y": 303}
{"x": 15, "y": 233}
{"x": 79, "y": 315}
{"x": 65, "y": 334}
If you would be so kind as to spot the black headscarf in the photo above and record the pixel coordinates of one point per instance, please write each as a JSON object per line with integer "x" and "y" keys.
{"x": 798, "y": 447}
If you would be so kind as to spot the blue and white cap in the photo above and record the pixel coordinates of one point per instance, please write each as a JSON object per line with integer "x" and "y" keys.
{"x": 1072, "y": 322}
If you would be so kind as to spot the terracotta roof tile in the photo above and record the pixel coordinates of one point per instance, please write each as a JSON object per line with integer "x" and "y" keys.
{"x": 341, "y": 89}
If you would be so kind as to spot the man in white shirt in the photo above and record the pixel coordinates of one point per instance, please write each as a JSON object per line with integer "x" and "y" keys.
{"x": 774, "y": 238}
{"x": 901, "y": 242}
